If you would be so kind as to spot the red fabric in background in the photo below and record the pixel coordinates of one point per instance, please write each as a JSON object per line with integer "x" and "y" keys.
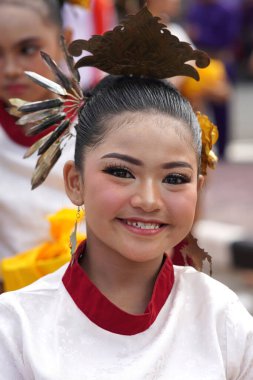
{"x": 16, "y": 132}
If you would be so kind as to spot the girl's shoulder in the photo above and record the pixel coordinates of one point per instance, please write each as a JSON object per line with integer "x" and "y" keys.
{"x": 203, "y": 289}
{"x": 46, "y": 289}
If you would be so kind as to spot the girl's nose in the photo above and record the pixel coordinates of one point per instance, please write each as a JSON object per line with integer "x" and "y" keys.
{"x": 12, "y": 68}
{"x": 147, "y": 197}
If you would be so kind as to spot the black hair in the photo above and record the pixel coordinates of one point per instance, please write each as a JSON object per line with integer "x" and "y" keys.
{"x": 48, "y": 9}
{"x": 114, "y": 95}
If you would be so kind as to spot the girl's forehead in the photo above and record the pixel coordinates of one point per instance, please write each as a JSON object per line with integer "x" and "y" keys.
{"x": 19, "y": 11}
{"x": 143, "y": 133}
{"x": 21, "y": 23}
{"x": 144, "y": 123}
{"x": 17, "y": 15}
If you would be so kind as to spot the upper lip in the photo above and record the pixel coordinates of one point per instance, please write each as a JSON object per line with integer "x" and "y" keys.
{"x": 141, "y": 220}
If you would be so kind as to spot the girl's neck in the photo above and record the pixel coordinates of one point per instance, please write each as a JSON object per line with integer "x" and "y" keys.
{"x": 126, "y": 284}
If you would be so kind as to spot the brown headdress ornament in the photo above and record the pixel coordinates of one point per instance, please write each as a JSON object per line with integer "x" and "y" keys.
{"x": 140, "y": 46}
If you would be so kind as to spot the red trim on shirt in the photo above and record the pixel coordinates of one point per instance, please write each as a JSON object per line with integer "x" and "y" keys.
{"x": 103, "y": 312}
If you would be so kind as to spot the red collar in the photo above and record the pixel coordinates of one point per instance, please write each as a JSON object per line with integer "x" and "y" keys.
{"x": 14, "y": 131}
{"x": 103, "y": 312}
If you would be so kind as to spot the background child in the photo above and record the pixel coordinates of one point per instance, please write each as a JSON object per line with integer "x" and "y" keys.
{"x": 26, "y": 27}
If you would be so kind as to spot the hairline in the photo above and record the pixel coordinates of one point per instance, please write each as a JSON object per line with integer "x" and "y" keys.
{"x": 127, "y": 123}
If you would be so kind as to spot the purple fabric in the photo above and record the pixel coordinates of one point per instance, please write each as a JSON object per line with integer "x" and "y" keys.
{"x": 218, "y": 24}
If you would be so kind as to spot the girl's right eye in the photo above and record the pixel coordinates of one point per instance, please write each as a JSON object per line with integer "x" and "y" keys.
{"x": 118, "y": 171}
{"x": 28, "y": 50}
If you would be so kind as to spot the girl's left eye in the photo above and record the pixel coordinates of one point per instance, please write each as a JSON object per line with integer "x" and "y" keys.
{"x": 176, "y": 179}
{"x": 118, "y": 171}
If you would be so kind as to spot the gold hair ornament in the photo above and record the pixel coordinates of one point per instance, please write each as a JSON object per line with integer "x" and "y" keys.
{"x": 210, "y": 136}
{"x": 140, "y": 46}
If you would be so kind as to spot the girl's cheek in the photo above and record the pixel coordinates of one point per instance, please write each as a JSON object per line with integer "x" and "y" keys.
{"x": 182, "y": 204}
{"x": 104, "y": 189}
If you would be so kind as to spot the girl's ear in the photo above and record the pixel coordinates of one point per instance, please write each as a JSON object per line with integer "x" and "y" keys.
{"x": 73, "y": 183}
{"x": 201, "y": 181}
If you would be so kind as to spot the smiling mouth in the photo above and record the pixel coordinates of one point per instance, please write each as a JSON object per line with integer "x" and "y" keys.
{"x": 147, "y": 226}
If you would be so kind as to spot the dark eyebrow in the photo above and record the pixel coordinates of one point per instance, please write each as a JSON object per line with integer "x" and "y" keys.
{"x": 176, "y": 164}
{"x": 28, "y": 41}
{"x": 135, "y": 161}
{"x": 124, "y": 157}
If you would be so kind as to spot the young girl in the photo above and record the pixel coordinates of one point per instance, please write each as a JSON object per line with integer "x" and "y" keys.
{"x": 26, "y": 27}
{"x": 120, "y": 309}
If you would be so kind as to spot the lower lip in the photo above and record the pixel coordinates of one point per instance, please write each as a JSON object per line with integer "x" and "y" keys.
{"x": 142, "y": 231}
{"x": 16, "y": 89}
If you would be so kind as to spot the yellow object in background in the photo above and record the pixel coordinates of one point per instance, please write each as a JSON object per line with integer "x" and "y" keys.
{"x": 81, "y": 3}
{"x": 29, "y": 266}
{"x": 209, "y": 76}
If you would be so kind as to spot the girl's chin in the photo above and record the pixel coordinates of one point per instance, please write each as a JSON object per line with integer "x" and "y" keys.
{"x": 142, "y": 256}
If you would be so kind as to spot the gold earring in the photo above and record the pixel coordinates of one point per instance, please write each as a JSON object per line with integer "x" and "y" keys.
{"x": 73, "y": 237}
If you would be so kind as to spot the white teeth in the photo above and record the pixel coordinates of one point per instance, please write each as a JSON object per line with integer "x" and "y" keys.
{"x": 144, "y": 226}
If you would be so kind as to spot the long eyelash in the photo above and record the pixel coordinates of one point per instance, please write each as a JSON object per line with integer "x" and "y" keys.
{"x": 116, "y": 166}
{"x": 110, "y": 168}
{"x": 184, "y": 177}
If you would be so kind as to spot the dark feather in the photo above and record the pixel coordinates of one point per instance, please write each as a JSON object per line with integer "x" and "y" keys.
{"x": 70, "y": 60}
{"x": 45, "y": 164}
{"x": 54, "y": 136}
{"x": 64, "y": 81}
{"x": 34, "y": 130}
{"x": 35, "y": 117}
{"x": 41, "y": 105}
{"x": 72, "y": 70}
{"x": 32, "y": 149}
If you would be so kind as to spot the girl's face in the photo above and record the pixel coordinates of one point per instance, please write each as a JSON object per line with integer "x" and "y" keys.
{"x": 139, "y": 187}
{"x": 23, "y": 33}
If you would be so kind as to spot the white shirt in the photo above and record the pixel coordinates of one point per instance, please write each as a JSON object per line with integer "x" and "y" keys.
{"x": 22, "y": 211}
{"x": 201, "y": 333}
